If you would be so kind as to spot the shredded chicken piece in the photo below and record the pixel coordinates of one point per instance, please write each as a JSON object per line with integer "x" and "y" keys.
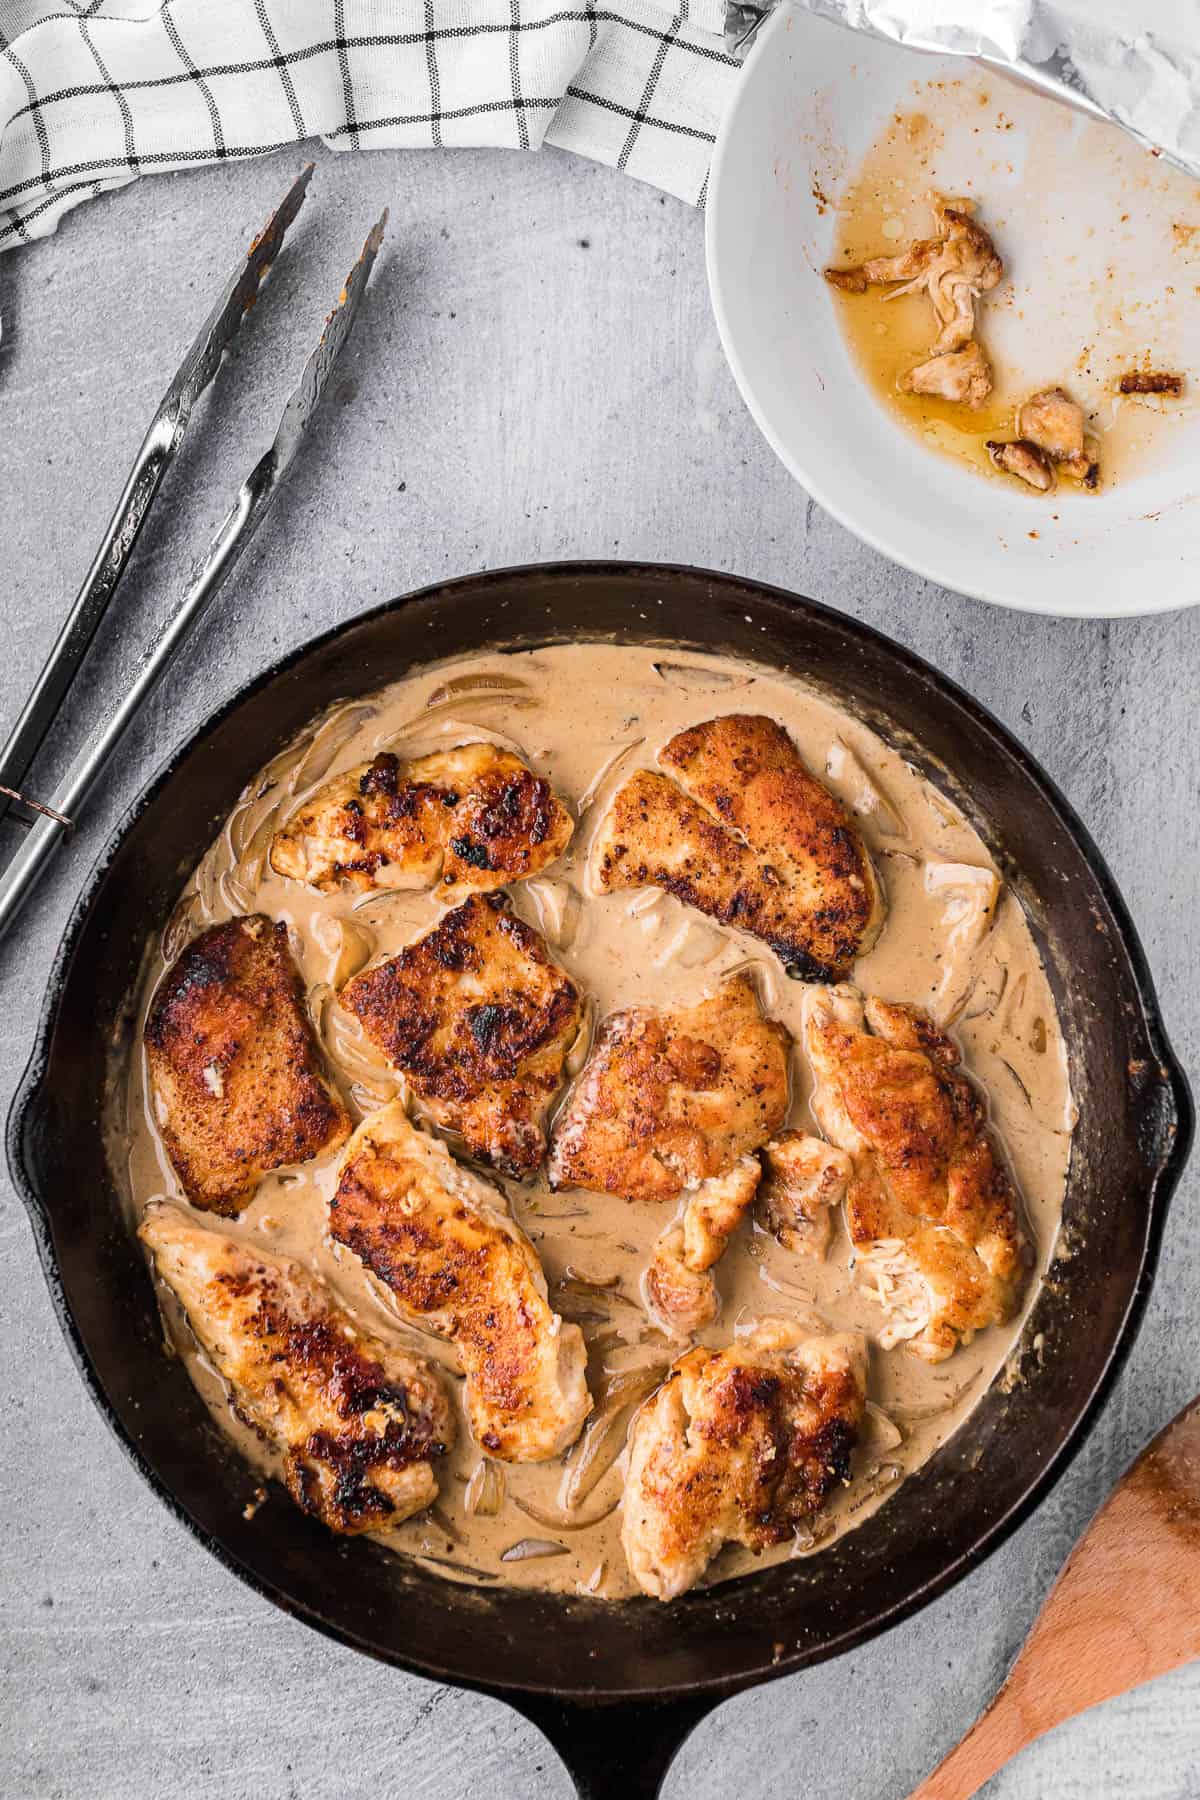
{"x": 739, "y": 1445}
{"x": 1054, "y": 422}
{"x": 964, "y": 376}
{"x": 930, "y": 1207}
{"x": 715, "y": 1211}
{"x": 680, "y": 1293}
{"x": 804, "y": 1178}
{"x": 359, "y": 1423}
{"x": 954, "y": 268}
{"x": 884, "y": 271}
{"x": 1025, "y": 461}
{"x": 965, "y": 266}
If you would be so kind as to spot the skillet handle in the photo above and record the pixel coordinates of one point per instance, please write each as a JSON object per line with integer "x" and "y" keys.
{"x": 615, "y": 1752}
{"x": 1168, "y": 1121}
{"x": 1164, "y": 1123}
{"x": 26, "y": 1122}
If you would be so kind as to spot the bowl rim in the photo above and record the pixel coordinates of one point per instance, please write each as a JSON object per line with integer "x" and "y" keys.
{"x": 1042, "y": 1479}
{"x": 809, "y": 477}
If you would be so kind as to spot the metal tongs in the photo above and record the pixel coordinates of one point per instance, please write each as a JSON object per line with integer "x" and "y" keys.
{"x": 52, "y": 819}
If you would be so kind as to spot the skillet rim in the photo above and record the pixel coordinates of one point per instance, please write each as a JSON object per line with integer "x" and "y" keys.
{"x": 1173, "y": 1083}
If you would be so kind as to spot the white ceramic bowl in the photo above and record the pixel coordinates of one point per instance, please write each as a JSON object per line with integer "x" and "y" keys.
{"x": 812, "y": 100}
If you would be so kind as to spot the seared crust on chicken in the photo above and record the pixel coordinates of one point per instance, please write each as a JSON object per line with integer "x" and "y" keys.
{"x": 739, "y": 1445}
{"x": 804, "y": 1178}
{"x": 1024, "y": 459}
{"x": 679, "y": 1292}
{"x": 669, "y": 1099}
{"x": 442, "y": 1243}
{"x": 1151, "y": 381}
{"x": 470, "y": 819}
{"x": 654, "y": 836}
{"x": 930, "y": 1207}
{"x": 359, "y": 1423}
{"x": 479, "y": 1020}
{"x": 747, "y": 835}
{"x": 238, "y": 1080}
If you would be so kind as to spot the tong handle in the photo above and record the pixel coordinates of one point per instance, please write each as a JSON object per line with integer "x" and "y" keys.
{"x": 70, "y": 647}
{"x": 243, "y": 519}
{"x": 153, "y": 459}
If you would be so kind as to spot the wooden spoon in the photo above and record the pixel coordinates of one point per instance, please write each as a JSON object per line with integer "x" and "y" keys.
{"x": 1125, "y": 1609}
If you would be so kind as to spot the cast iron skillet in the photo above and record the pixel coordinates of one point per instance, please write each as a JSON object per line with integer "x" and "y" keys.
{"x": 617, "y": 1687}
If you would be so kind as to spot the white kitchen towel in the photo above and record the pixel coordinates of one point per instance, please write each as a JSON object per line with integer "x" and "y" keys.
{"x": 94, "y": 93}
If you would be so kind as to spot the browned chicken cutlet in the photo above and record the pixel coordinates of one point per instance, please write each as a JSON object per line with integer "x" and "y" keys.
{"x": 672, "y": 1103}
{"x": 740, "y": 1445}
{"x": 238, "y": 1081}
{"x": 738, "y": 828}
{"x": 442, "y": 1243}
{"x": 358, "y": 1423}
{"x": 930, "y": 1208}
{"x": 470, "y": 820}
{"x": 670, "y": 1099}
{"x": 804, "y": 1179}
{"x": 479, "y": 1020}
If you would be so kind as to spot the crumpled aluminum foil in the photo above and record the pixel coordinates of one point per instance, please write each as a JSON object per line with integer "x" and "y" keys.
{"x": 1136, "y": 62}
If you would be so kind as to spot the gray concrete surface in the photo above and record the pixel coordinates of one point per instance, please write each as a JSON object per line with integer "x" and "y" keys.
{"x": 536, "y": 375}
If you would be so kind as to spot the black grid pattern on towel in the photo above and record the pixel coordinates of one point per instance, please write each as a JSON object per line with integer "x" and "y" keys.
{"x": 636, "y": 83}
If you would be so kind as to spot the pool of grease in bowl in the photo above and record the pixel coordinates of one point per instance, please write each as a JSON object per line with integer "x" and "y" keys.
{"x": 585, "y": 716}
{"x": 1101, "y": 249}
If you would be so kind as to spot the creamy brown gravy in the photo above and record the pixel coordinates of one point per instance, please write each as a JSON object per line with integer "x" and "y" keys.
{"x": 585, "y": 716}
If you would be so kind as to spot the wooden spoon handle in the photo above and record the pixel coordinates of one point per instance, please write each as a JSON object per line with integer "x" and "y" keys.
{"x": 992, "y": 1741}
{"x": 1074, "y": 1657}
{"x": 1125, "y": 1609}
